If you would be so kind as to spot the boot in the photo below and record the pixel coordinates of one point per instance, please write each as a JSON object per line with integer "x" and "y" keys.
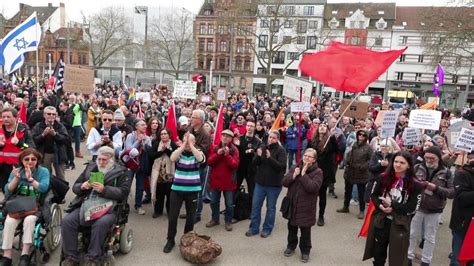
{"x": 169, "y": 246}
{"x": 360, "y": 216}
{"x": 343, "y": 210}
{"x": 321, "y": 221}
{"x": 79, "y": 155}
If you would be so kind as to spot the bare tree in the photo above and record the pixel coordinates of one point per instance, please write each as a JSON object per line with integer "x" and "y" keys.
{"x": 108, "y": 33}
{"x": 171, "y": 40}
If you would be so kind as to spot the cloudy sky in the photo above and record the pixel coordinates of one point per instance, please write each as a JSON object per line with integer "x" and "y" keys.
{"x": 74, "y": 7}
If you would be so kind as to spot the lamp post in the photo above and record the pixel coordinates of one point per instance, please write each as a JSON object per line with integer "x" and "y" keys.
{"x": 49, "y": 64}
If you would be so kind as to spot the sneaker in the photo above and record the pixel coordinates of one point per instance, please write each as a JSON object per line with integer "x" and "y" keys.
{"x": 169, "y": 246}
{"x": 361, "y": 215}
{"x": 250, "y": 233}
{"x": 79, "y": 155}
{"x": 288, "y": 252}
{"x": 228, "y": 227}
{"x": 265, "y": 234}
{"x": 212, "y": 223}
{"x": 321, "y": 221}
{"x": 343, "y": 210}
{"x": 146, "y": 200}
{"x": 304, "y": 258}
{"x": 24, "y": 260}
{"x": 354, "y": 202}
{"x": 333, "y": 194}
{"x": 156, "y": 215}
{"x": 140, "y": 211}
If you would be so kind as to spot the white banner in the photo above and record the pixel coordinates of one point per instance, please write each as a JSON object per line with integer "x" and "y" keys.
{"x": 389, "y": 124}
{"x": 465, "y": 141}
{"x": 411, "y": 136}
{"x": 292, "y": 87}
{"x": 184, "y": 89}
{"x": 145, "y": 96}
{"x": 425, "y": 119}
{"x": 297, "y": 107}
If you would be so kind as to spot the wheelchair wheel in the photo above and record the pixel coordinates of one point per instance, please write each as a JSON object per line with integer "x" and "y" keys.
{"x": 108, "y": 260}
{"x": 126, "y": 240}
{"x": 53, "y": 238}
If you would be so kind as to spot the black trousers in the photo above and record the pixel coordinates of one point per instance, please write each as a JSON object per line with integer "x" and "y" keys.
{"x": 322, "y": 199}
{"x": 249, "y": 178}
{"x": 5, "y": 170}
{"x": 190, "y": 202}
{"x": 348, "y": 194}
{"x": 163, "y": 190}
{"x": 305, "y": 238}
{"x": 70, "y": 154}
{"x": 382, "y": 239}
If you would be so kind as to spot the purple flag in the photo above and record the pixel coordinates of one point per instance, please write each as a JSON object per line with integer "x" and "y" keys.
{"x": 438, "y": 80}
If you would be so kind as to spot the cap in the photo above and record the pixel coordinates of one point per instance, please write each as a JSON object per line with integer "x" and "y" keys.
{"x": 118, "y": 115}
{"x": 228, "y": 132}
{"x": 183, "y": 120}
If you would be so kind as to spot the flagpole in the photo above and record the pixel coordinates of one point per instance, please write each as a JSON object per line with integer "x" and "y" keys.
{"x": 37, "y": 70}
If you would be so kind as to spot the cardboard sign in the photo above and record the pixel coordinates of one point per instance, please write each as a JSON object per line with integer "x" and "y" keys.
{"x": 411, "y": 136}
{"x": 184, "y": 89}
{"x": 145, "y": 96}
{"x": 466, "y": 140}
{"x": 206, "y": 99}
{"x": 356, "y": 110}
{"x": 425, "y": 119}
{"x": 297, "y": 107}
{"x": 454, "y": 130}
{"x": 292, "y": 87}
{"x": 221, "y": 95}
{"x": 389, "y": 124}
{"x": 380, "y": 115}
{"x": 78, "y": 79}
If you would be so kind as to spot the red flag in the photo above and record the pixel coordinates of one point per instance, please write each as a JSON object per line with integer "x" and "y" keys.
{"x": 466, "y": 253}
{"x": 22, "y": 113}
{"x": 171, "y": 123}
{"x": 364, "y": 231}
{"x": 347, "y": 68}
{"x": 219, "y": 125}
{"x": 198, "y": 78}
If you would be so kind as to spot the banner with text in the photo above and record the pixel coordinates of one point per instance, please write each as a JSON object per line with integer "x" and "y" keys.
{"x": 184, "y": 89}
{"x": 465, "y": 141}
{"x": 144, "y": 96}
{"x": 389, "y": 124}
{"x": 454, "y": 130}
{"x": 292, "y": 87}
{"x": 411, "y": 136}
{"x": 425, "y": 119}
{"x": 297, "y": 107}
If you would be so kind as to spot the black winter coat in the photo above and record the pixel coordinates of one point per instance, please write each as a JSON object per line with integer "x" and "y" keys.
{"x": 357, "y": 164}
{"x": 303, "y": 192}
{"x": 61, "y": 139}
{"x": 270, "y": 171}
{"x": 327, "y": 160}
{"x": 463, "y": 203}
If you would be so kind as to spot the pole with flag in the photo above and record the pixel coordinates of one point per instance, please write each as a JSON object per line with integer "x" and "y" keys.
{"x": 438, "y": 80}
{"x": 171, "y": 123}
{"x": 58, "y": 76}
{"x": 219, "y": 125}
{"x": 276, "y": 123}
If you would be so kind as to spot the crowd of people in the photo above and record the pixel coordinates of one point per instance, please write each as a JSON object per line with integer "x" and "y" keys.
{"x": 127, "y": 139}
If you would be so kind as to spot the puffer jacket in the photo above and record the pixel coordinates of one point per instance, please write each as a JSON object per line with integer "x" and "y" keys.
{"x": 463, "y": 203}
{"x": 223, "y": 167}
{"x": 441, "y": 177}
{"x": 270, "y": 171}
{"x": 303, "y": 192}
{"x": 357, "y": 163}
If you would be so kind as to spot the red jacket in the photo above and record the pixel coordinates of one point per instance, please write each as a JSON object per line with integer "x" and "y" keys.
{"x": 223, "y": 168}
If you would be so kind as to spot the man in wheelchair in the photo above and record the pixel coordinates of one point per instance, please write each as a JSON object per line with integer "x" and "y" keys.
{"x": 100, "y": 186}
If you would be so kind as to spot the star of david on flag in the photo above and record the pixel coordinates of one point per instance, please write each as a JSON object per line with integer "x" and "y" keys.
{"x": 22, "y": 39}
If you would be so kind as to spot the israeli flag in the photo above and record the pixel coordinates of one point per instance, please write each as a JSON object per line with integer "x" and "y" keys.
{"x": 24, "y": 38}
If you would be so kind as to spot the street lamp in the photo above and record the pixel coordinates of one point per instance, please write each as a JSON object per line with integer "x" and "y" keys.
{"x": 49, "y": 64}
{"x": 143, "y": 10}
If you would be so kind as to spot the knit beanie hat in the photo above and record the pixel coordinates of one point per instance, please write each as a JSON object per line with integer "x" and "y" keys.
{"x": 434, "y": 150}
{"x": 118, "y": 115}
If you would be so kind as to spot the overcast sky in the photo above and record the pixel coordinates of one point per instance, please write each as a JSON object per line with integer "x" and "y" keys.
{"x": 74, "y": 7}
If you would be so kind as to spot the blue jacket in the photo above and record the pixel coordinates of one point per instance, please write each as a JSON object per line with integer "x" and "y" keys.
{"x": 40, "y": 174}
{"x": 292, "y": 137}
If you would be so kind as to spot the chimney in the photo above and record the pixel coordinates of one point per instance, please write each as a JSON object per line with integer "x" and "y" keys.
{"x": 50, "y": 5}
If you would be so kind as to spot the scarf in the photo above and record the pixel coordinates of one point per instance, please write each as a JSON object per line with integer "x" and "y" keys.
{"x": 162, "y": 170}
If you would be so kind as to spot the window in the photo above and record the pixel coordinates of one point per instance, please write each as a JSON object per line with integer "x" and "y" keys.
{"x": 271, "y": 10}
{"x": 286, "y": 39}
{"x": 200, "y": 63}
{"x": 292, "y": 72}
{"x": 418, "y": 77}
{"x": 288, "y": 24}
{"x": 355, "y": 40}
{"x": 402, "y": 58}
{"x": 293, "y": 55}
{"x": 222, "y": 63}
{"x": 301, "y": 40}
{"x": 399, "y": 75}
{"x": 455, "y": 79}
{"x": 274, "y": 25}
{"x": 361, "y": 24}
{"x": 313, "y": 24}
{"x": 210, "y": 46}
{"x": 201, "y": 45}
{"x": 420, "y": 58}
{"x": 261, "y": 71}
{"x": 277, "y": 71}
{"x": 263, "y": 54}
{"x": 264, "y": 23}
{"x": 247, "y": 65}
{"x": 263, "y": 41}
{"x": 274, "y": 39}
{"x": 381, "y": 25}
{"x": 243, "y": 82}
{"x": 210, "y": 29}
{"x": 248, "y": 47}
{"x": 223, "y": 81}
{"x": 202, "y": 29}
{"x": 352, "y": 24}
{"x": 279, "y": 57}
{"x": 302, "y": 26}
{"x": 289, "y": 10}
{"x": 308, "y": 10}
{"x": 378, "y": 41}
{"x": 333, "y": 24}
{"x": 223, "y": 46}
{"x": 312, "y": 40}
{"x": 220, "y": 29}
{"x": 403, "y": 39}
{"x": 238, "y": 64}
{"x": 207, "y": 12}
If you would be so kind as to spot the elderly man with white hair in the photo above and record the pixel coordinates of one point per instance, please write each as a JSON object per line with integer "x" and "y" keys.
{"x": 115, "y": 188}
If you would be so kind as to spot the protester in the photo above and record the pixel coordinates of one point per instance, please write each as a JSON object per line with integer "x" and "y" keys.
{"x": 74, "y": 105}
{"x": 66, "y": 118}
{"x": 105, "y": 134}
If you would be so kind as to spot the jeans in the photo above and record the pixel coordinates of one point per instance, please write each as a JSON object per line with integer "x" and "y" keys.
{"x": 229, "y": 205}
{"x": 430, "y": 223}
{"x": 355, "y": 195}
{"x": 139, "y": 186}
{"x": 291, "y": 156}
{"x": 271, "y": 194}
{"x": 456, "y": 245}
{"x": 203, "y": 194}
{"x": 177, "y": 198}
{"x": 305, "y": 238}
{"x": 77, "y": 138}
{"x": 348, "y": 192}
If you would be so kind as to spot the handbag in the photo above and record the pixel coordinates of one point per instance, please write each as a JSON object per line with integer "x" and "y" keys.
{"x": 93, "y": 208}
{"x": 198, "y": 249}
{"x": 19, "y": 207}
{"x": 286, "y": 207}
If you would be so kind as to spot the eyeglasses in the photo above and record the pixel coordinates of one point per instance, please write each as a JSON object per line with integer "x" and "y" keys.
{"x": 51, "y": 114}
{"x": 102, "y": 159}
{"x": 107, "y": 119}
{"x": 430, "y": 158}
{"x": 30, "y": 159}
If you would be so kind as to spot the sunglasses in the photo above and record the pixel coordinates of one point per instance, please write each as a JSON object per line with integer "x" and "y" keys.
{"x": 51, "y": 114}
{"x": 362, "y": 135}
{"x": 107, "y": 120}
{"x": 30, "y": 159}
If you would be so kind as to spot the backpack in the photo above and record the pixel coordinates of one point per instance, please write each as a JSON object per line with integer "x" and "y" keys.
{"x": 243, "y": 205}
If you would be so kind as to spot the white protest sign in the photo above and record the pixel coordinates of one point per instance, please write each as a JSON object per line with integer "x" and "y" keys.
{"x": 221, "y": 95}
{"x": 454, "y": 131}
{"x": 145, "y": 96}
{"x": 466, "y": 140}
{"x": 379, "y": 118}
{"x": 292, "y": 87}
{"x": 425, "y": 119}
{"x": 411, "y": 136}
{"x": 389, "y": 124}
{"x": 297, "y": 107}
{"x": 184, "y": 89}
